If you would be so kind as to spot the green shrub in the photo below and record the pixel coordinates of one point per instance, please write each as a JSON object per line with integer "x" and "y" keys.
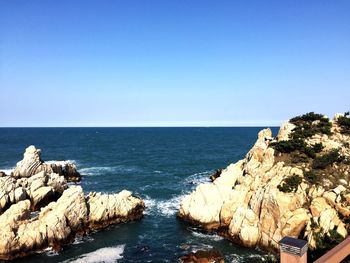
{"x": 310, "y": 124}
{"x": 308, "y": 117}
{"x": 299, "y": 158}
{"x": 344, "y": 123}
{"x": 290, "y": 184}
{"x": 309, "y": 151}
{"x": 318, "y": 147}
{"x": 311, "y": 177}
{"x": 297, "y": 145}
{"x": 288, "y": 146}
{"x": 327, "y": 159}
{"x": 324, "y": 242}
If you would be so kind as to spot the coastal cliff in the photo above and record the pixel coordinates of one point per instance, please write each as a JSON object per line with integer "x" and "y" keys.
{"x": 295, "y": 184}
{"x": 38, "y": 209}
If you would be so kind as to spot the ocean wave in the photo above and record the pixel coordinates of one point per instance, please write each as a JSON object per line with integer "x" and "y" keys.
{"x": 235, "y": 258}
{"x": 64, "y": 162}
{"x": 166, "y": 208}
{"x": 198, "y": 178}
{"x": 105, "y": 255}
{"x": 214, "y": 237}
{"x": 50, "y": 252}
{"x": 99, "y": 170}
{"x": 82, "y": 239}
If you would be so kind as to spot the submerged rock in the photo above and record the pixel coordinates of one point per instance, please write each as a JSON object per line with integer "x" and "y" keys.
{"x": 65, "y": 211}
{"x": 203, "y": 256}
{"x": 274, "y": 193}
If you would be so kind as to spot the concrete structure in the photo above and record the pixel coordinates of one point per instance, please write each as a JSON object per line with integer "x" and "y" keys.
{"x": 293, "y": 250}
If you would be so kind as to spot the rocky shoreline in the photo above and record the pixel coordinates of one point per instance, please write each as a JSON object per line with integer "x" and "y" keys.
{"x": 295, "y": 184}
{"x": 38, "y": 209}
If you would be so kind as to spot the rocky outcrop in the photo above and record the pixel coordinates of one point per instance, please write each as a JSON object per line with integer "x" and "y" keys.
{"x": 40, "y": 188}
{"x": 203, "y": 256}
{"x": 271, "y": 193}
{"x": 33, "y": 164}
{"x": 65, "y": 211}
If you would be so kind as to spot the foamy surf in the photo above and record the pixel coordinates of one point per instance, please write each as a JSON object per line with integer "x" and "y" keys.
{"x": 100, "y": 170}
{"x": 213, "y": 237}
{"x": 50, "y": 252}
{"x": 198, "y": 178}
{"x": 166, "y": 208}
{"x": 63, "y": 163}
{"x": 105, "y": 255}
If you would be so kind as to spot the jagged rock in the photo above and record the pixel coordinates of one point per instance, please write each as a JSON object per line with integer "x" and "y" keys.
{"x": 116, "y": 208}
{"x": 58, "y": 222}
{"x": 247, "y": 204}
{"x": 65, "y": 211}
{"x": 202, "y": 256}
{"x": 33, "y": 164}
{"x": 42, "y": 196}
{"x": 41, "y": 189}
{"x": 284, "y": 131}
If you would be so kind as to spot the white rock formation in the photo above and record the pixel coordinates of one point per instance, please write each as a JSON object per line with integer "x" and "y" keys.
{"x": 246, "y": 201}
{"x": 65, "y": 211}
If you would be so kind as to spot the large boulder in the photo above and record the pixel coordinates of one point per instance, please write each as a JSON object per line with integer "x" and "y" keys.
{"x": 59, "y": 221}
{"x": 33, "y": 164}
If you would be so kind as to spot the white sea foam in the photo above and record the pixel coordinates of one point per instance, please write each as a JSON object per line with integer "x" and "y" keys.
{"x": 50, "y": 252}
{"x": 61, "y": 162}
{"x": 235, "y": 258}
{"x": 82, "y": 239}
{"x": 195, "y": 248}
{"x": 105, "y": 255}
{"x": 198, "y": 178}
{"x": 98, "y": 170}
{"x": 214, "y": 237}
{"x": 166, "y": 208}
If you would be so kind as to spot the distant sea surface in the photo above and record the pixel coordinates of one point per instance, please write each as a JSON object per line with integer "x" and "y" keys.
{"x": 160, "y": 165}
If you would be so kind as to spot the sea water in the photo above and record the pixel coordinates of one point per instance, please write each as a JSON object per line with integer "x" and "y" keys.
{"x": 161, "y": 165}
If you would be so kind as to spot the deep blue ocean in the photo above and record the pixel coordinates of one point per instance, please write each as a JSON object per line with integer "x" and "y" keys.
{"x": 160, "y": 165}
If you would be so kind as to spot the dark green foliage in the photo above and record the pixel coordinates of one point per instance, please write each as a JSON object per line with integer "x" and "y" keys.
{"x": 326, "y": 159}
{"x": 309, "y": 151}
{"x": 288, "y": 146}
{"x": 344, "y": 123}
{"x": 298, "y": 145}
{"x": 311, "y": 177}
{"x": 290, "y": 184}
{"x": 318, "y": 147}
{"x": 308, "y": 117}
{"x": 324, "y": 243}
{"x": 310, "y": 124}
{"x": 299, "y": 158}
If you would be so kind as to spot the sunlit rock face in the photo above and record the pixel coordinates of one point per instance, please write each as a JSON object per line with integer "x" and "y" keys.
{"x": 61, "y": 211}
{"x": 279, "y": 189}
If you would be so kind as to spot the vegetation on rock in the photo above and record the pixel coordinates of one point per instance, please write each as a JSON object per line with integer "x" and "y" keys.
{"x": 327, "y": 159}
{"x": 344, "y": 123}
{"x": 290, "y": 184}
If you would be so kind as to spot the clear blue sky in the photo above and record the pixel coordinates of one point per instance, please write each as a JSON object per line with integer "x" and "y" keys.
{"x": 171, "y": 62}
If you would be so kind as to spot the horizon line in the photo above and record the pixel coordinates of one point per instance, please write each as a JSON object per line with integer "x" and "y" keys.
{"x": 166, "y": 126}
